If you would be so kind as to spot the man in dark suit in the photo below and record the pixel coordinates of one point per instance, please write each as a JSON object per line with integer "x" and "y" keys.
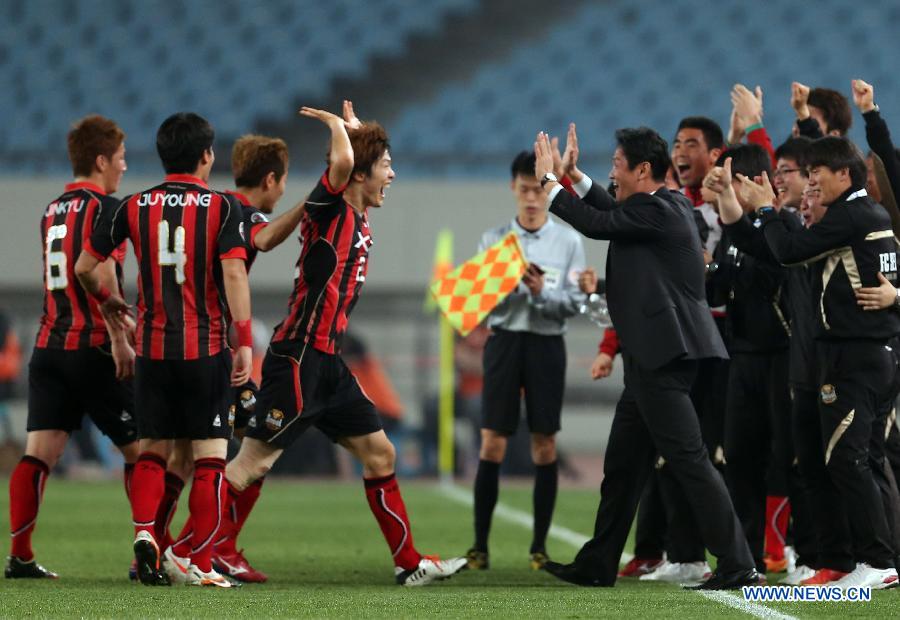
{"x": 657, "y": 301}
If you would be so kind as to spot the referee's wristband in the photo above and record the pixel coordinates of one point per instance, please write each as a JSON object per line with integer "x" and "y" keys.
{"x": 102, "y": 294}
{"x": 244, "y": 331}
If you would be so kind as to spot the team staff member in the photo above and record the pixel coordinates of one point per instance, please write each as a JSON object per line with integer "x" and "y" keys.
{"x": 190, "y": 249}
{"x": 757, "y": 415}
{"x": 849, "y": 247}
{"x": 657, "y": 301}
{"x": 77, "y": 357}
{"x": 526, "y": 353}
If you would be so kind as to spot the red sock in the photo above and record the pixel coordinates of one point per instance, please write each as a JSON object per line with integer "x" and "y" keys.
{"x": 147, "y": 488}
{"x": 207, "y": 501}
{"x": 26, "y": 488}
{"x": 167, "y": 507}
{"x": 181, "y": 546}
{"x": 778, "y": 513}
{"x": 235, "y": 517}
{"x": 386, "y": 504}
{"x": 129, "y": 472}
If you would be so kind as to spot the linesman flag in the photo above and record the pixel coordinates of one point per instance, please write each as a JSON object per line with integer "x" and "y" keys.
{"x": 468, "y": 293}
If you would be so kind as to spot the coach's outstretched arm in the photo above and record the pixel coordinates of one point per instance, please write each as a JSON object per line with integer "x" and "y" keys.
{"x": 340, "y": 157}
{"x": 593, "y": 222}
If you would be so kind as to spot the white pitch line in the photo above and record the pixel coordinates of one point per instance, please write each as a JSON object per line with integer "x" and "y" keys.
{"x": 576, "y": 539}
{"x": 736, "y": 602}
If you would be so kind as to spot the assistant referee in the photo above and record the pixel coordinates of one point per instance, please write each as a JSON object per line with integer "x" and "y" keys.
{"x": 526, "y": 354}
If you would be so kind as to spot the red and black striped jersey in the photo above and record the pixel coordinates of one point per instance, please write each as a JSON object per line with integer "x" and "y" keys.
{"x": 331, "y": 270}
{"x": 71, "y": 318}
{"x": 254, "y": 221}
{"x": 181, "y": 230}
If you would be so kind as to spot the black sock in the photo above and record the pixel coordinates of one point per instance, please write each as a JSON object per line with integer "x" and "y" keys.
{"x": 487, "y": 484}
{"x": 544, "y": 500}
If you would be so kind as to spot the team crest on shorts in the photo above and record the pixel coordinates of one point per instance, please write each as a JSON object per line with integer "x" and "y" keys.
{"x": 248, "y": 400}
{"x": 828, "y": 394}
{"x": 274, "y": 420}
{"x": 231, "y": 411}
{"x": 125, "y": 417}
{"x": 251, "y": 423}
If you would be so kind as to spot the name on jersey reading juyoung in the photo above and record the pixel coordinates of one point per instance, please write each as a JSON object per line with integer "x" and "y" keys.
{"x": 154, "y": 199}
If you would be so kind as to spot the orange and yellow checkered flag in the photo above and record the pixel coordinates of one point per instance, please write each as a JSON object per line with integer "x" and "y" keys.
{"x": 468, "y": 293}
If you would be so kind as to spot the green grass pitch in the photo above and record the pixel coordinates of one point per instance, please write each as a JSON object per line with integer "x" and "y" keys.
{"x": 326, "y": 558}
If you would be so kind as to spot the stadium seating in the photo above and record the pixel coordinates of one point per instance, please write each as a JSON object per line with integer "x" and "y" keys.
{"x": 134, "y": 61}
{"x": 614, "y": 64}
{"x": 620, "y": 64}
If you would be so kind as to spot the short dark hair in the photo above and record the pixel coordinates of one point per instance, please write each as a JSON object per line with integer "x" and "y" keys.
{"x": 253, "y": 157}
{"x": 642, "y": 144}
{"x": 181, "y": 141}
{"x": 523, "y": 164}
{"x": 712, "y": 133}
{"x": 836, "y": 153}
{"x": 795, "y": 148}
{"x": 835, "y": 109}
{"x": 751, "y": 160}
{"x": 92, "y": 136}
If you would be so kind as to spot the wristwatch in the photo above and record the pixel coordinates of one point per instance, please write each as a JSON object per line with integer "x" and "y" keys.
{"x": 547, "y": 178}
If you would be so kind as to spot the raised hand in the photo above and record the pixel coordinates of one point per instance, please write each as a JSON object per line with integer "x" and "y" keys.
{"x": 736, "y": 128}
{"x": 747, "y": 105}
{"x": 757, "y": 194}
{"x": 350, "y": 118}
{"x": 321, "y": 115}
{"x": 863, "y": 95}
{"x": 557, "y": 158}
{"x": 800, "y": 99}
{"x": 570, "y": 157}
{"x": 543, "y": 156}
{"x": 718, "y": 179}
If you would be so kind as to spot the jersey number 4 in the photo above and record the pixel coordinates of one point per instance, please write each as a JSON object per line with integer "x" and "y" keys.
{"x": 56, "y": 261}
{"x": 174, "y": 257}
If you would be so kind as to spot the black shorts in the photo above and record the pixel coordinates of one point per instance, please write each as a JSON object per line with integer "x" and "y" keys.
{"x": 516, "y": 362}
{"x": 65, "y": 385}
{"x": 303, "y": 387}
{"x": 244, "y": 403}
{"x": 184, "y": 399}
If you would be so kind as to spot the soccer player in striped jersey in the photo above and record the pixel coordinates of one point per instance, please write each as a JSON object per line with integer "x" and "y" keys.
{"x": 260, "y": 166}
{"x": 189, "y": 244}
{"x": 305, "y": 382}
{"x": 80, "y": 363}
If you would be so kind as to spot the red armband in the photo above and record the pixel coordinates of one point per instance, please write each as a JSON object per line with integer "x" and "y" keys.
{"x": 610, "y": 342}
{"x": 101, "y": 295}
{"x": 244, "y": 330}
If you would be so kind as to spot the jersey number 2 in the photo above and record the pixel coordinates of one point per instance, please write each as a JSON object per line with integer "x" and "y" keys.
{"x": 56, "y": 260}
{"x": 174, "y": 257}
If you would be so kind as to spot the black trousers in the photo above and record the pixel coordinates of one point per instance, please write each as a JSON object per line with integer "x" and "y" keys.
{"x": 857, "y": 379}
{"x": 650, "y": 530}
{"x": 655, "y": 415}
{"x": 757, "y": 439}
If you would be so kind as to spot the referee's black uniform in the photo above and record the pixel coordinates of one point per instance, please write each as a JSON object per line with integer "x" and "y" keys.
{"x": 849, "y": 247}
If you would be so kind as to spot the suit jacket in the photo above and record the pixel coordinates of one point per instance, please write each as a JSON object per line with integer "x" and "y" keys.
{"x": 654, "y": 272}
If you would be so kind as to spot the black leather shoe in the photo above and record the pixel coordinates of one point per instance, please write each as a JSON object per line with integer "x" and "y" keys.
{"x": 731, "y": 581}
{"x": 569, "y": 572}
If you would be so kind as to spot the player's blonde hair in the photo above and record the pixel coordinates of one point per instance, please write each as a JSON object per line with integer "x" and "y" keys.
{"x": 253, "y": 157}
